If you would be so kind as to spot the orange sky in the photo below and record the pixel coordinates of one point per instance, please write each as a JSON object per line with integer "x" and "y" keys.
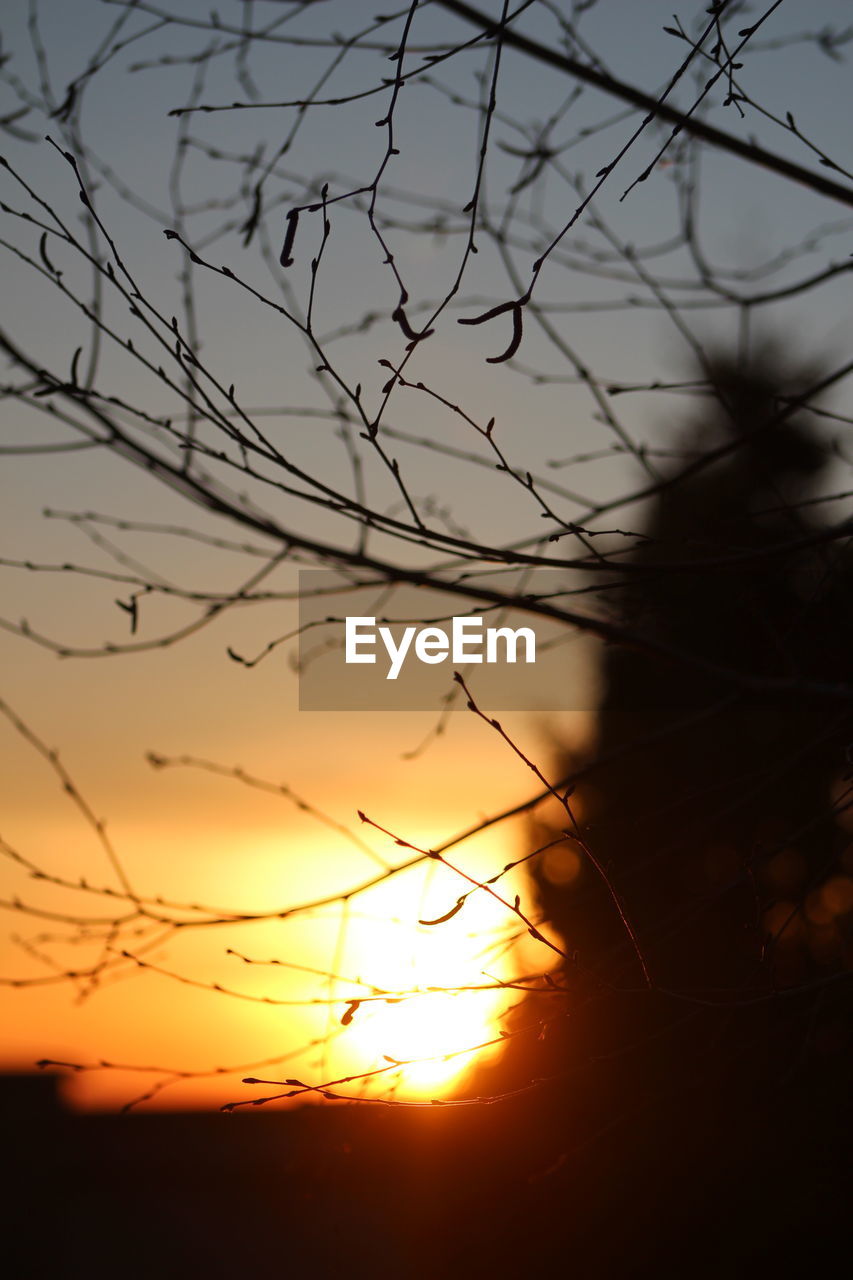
{"x": 192, "y": 837}
{"x": 195, "y": 837}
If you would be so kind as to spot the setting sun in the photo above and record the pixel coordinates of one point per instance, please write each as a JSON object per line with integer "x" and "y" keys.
{"x": 445, "y": 1002}
{"x": 429, "y": 1036}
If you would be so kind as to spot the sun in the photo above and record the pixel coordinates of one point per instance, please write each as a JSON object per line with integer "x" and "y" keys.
{"x": 431, "y": 1038}
{"x": 442, "y": 995}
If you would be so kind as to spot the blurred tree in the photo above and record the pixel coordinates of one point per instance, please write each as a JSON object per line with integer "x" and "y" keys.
{"x": 718, "y": 811}
{"x": 716, "y": 1027}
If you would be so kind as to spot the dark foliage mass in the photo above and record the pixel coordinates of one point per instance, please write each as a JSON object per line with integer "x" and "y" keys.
{"x": 717, "y": 809}
{"x": 723, "y": 822}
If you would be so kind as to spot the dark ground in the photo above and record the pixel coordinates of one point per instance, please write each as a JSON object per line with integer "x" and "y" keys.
{"x": 495, "y": 1190}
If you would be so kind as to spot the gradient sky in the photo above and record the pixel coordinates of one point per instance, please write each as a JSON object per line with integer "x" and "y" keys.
{"x": 185, "y": 833}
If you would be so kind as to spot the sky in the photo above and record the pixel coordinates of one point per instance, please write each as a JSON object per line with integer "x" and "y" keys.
{"x": 194, "y": 836}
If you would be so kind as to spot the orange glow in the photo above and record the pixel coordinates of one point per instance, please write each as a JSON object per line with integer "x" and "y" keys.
{"x": 430, "y": 994}
{"x": 450, "y": 1000}
{"x": 786, "y": 871}
{"x": 817, "y": 909}
{"x": 783, "y": 923}
{"x": 205, "y": 1020}
{"x": 561, "y": 865}
{"x": 837, "y": 895}
{"x": 429, "y": 1036}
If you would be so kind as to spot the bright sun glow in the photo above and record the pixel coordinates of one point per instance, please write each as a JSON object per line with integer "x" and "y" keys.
{"x": 447, "y": 979}
{"x": 428, "y": 1033}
